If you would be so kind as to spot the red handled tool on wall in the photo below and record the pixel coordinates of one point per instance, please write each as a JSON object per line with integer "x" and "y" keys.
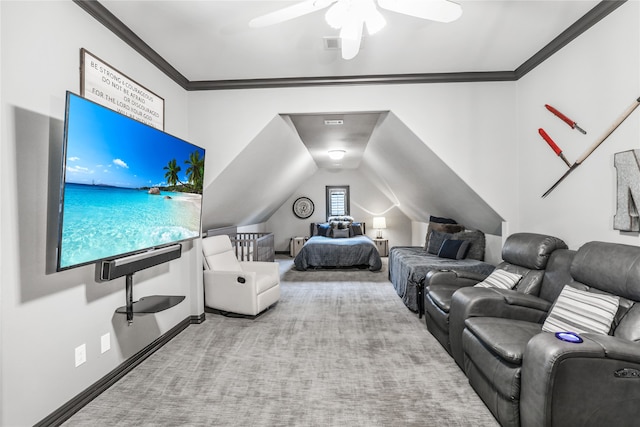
{"x": 553, "y": 146}
{"x": 596, "y": 144}
{"x": 565, "y": 119}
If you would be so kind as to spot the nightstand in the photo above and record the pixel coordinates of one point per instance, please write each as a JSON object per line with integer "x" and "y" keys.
{"x": 383, "y": 246}
{"x": 296, "y": 245}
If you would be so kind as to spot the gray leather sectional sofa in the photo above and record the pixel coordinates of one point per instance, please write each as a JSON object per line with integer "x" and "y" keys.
{"x": 514, "y": 347}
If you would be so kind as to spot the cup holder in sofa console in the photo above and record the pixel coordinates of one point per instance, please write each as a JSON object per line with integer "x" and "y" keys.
{"x": 571, "y": 337}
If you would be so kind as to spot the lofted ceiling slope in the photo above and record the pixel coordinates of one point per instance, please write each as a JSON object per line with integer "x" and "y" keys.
{"x": 259, "y": 180}
{"x": 404, "y": 168}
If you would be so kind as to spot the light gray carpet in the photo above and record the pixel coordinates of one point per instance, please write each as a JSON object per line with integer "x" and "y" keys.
{"x": 340, "y": 353}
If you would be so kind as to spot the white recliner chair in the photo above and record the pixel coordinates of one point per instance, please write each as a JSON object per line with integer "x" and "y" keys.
{"x": 242, "y": 287}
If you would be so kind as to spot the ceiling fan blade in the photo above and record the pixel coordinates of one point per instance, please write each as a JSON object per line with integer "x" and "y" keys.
{"x": 351, "y": 36}
{"x": 289, "y": 12}
{"x": 434, "y": 10}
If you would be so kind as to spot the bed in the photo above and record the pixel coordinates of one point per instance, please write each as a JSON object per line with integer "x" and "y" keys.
{"x": 342, "y": 249}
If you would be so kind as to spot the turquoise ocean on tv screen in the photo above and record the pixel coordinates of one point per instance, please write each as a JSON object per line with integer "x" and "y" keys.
{"x": 102, "y": 221}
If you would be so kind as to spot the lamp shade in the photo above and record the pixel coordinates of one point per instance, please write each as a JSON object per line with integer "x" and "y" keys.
{"x": 379, "y": 222}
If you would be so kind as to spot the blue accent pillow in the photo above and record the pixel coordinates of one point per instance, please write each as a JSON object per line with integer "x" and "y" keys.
{"x": 454, "y": 249}
{"x": 324, "y": 230}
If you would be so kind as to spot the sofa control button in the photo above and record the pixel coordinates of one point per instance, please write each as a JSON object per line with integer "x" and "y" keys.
{"x": 627, "y": 373}
{"x": 241, "y": 280}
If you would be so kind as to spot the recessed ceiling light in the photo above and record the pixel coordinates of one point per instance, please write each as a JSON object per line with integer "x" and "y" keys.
{"x": 336, "y": 154}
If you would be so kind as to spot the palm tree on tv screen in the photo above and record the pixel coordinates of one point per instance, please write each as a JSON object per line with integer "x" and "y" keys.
{"x": 195, "y": 171}
{"x": 171, "y": 175}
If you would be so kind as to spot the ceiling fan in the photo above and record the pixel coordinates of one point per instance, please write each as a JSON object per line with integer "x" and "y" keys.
{"x": 350, "y": 16}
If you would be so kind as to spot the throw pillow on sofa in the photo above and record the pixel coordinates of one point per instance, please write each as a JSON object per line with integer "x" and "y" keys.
{"x": 435, "y": 240}
{"x": 477, "y": 243}
{"x": 441, "y": 220}
{"x": 454, "y": 249}
{"x": 581, "y": 311}
{"x": 442, "y": 228}
{"x": 500, "y": 279}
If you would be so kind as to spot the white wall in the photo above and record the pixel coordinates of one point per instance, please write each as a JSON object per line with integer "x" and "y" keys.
{"x": 592, "y": 80}
{"x": 366, "y": 202}
{"x": 45, "y": 315}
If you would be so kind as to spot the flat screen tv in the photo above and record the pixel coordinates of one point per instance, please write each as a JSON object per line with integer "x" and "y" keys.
{"x": 126, "y": 187}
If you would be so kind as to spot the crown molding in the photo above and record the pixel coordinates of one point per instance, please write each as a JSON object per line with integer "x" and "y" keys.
{"x": 111, "y": 22}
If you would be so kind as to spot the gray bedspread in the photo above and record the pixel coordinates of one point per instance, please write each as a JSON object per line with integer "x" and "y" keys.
{"x": 408, "y": 266}
{"x": 321, "y": 251}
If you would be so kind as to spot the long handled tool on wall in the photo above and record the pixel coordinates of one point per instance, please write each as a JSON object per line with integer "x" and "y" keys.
{"x": 553, "y": 146}
{"x": 596, "y": 144}
{"x": 565, "y": 119}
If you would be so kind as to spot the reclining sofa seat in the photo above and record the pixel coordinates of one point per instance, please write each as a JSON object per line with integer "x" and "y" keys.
{"x": 482, "y": 302}
{"x": 528, "y": 377}
{"x": 523, "y": 253}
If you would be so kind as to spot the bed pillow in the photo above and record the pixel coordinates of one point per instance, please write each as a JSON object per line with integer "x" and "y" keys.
{"x": 454, "y": 249}
{"x": 581, "y": 311}
{"x": 355, "y": 229}
{"x": 500, "y": 279}
{"x": 346, "y": 218}
{"x": 339, "y": 233}
{"x": 324, "y": 230}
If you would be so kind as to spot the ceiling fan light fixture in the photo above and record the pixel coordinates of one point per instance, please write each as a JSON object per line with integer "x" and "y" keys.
{"x": 373, "y": 19}
{"x": 337, "y": 15}
{"x": 336, "y": 154}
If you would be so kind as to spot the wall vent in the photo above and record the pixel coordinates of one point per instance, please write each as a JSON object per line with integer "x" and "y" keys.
{"x": 332, "y": 42}
{"x": 333, "y": 122}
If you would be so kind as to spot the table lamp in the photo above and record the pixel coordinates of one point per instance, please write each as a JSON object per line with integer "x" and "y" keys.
{"x": 379, "y": 223}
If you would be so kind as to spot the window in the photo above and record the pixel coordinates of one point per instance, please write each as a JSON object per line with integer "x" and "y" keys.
{"x": 337, "y": 200}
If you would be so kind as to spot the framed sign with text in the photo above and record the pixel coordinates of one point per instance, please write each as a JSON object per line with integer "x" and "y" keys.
{"x": 101, "y": 83}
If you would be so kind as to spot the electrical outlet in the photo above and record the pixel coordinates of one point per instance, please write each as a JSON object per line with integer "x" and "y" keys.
{"x": 105, "y": 342}
{"x": 81, "y": 354}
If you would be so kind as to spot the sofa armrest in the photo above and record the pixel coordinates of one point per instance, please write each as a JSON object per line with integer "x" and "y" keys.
{"x": 589, "y": 383}
{"x": 453, "y": 277}
{"x": 489, "y": 302}
{"x": 261, "y": 267}
{"x": 616, "y": 348}
{"x": 526, "y": 300}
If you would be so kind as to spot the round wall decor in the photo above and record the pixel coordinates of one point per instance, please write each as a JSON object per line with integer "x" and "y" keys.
{"x": 303, "y": 207}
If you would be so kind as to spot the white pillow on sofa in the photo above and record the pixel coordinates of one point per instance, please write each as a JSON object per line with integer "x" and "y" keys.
{"x": 500, "y": 279}
{"x": 581, "y": 311}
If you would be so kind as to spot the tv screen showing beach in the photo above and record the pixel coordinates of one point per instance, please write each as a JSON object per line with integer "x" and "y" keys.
{"x": 127, "y": 187}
